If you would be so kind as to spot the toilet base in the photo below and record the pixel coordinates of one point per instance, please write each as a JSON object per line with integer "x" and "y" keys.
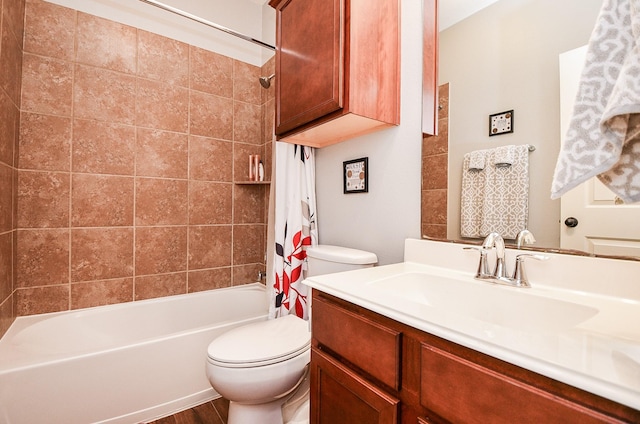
{"x": 300, "y": 415}
{"x": 291, "y": 409}
{"x": 296, "y": 409}
{"x": 263, "y": 413}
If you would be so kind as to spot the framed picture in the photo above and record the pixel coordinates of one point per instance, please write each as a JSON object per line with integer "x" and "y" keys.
{"x": 355, "y": 176}
{"x": 501, "y": 123}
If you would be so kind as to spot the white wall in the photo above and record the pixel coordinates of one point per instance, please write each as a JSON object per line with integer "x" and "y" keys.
{"x": 380, "y": 220}
{"x": 268, "y": 29}
{"x": 506, "y": 57}
{"x": 248, "y": 17}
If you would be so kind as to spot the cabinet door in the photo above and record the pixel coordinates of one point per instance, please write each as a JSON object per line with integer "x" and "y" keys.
{"x": 309, "y": 61}
{"x": 340, "y": 396}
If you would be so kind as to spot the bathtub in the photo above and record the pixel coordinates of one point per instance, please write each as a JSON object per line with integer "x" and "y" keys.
{"x": 125, "y": 363}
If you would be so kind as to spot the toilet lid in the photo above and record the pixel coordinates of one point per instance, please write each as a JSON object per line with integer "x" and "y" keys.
{"x": 261, "y": 343}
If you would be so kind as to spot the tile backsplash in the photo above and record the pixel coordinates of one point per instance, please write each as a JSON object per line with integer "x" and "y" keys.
{"x": 129, "y": 146}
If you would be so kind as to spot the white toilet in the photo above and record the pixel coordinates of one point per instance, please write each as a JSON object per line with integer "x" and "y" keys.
{"x": 261, "y": 368}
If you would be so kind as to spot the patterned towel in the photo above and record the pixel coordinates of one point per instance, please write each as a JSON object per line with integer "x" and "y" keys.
{"x": 505, "y": 208}
{"x": 472, "y": 198}
{"x": 497, "y": 197}
{"x": 604, "y": 133}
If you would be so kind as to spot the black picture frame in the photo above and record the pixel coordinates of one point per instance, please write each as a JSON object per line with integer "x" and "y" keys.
{"x": 355, "y": 176}
{"x": 501, "y": 123}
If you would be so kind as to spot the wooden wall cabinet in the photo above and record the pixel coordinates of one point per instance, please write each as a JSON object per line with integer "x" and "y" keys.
{"x": 367, "y": 369}
{"x": 337, "y": 69}
{"x": 430, "y": 101}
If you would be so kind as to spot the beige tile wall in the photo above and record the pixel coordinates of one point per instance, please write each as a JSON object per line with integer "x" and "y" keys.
{"x": 435, "y": 172}
{"x": 129, "y": 146}
{"x": 11, "y": 45}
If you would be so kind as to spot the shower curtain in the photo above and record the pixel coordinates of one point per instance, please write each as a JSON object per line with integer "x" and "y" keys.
{"x": 294, "y": 226}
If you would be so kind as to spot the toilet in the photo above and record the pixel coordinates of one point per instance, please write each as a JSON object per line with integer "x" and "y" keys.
{"x": 261, "y": 368}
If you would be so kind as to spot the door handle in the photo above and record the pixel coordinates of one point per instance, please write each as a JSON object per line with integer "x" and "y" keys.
{"x": 571, "y": 222}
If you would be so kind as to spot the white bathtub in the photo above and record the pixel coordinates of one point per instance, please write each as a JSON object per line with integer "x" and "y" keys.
{"x": 124, "y": 363}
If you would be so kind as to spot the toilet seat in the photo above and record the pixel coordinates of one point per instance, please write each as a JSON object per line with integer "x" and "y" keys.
{"x": 260, "y": 344}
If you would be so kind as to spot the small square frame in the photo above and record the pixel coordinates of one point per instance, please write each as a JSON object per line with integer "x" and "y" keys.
{"x": 501, "y": 123}
{"x": 355, "y": 176}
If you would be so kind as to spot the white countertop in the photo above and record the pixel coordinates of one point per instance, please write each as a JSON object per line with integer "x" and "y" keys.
{"x": 581, "y": 328}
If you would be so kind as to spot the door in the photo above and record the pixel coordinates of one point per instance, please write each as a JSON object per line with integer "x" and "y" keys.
{"x": 592, "y": 218}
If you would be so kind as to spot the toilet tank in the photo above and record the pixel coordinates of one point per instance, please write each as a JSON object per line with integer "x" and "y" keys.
{"x": 327, "y": 259}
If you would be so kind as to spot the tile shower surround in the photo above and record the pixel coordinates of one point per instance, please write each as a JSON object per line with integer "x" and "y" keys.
{"x": 11, "y": 45}
{"x": 129, "y": 143}
{"x": 435, "y": 151}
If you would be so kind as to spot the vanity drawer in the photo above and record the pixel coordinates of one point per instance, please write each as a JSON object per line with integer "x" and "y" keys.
{"x": 343, "y": 396}
{"x": 370, "y": 346}
{"x": 462, "y": 391}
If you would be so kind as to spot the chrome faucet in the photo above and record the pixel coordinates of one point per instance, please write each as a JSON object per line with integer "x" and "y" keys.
{"x": 524, "y": 237}
{"x": 495, "y": 240}
{"x": 519, "y": 278}
{"x": 483, "y": 266}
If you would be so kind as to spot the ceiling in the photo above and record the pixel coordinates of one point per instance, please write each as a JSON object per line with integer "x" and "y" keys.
{"x": 450, "y": 11}
{"x": 453, "y": 11}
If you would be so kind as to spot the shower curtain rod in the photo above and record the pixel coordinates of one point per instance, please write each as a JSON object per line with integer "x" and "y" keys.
{"x": 207, "y": 23}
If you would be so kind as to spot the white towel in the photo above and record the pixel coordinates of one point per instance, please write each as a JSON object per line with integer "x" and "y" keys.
{"x": 504, "y": 156}
{"x": 604, "y": 133}
{"x": 477, "y": 160}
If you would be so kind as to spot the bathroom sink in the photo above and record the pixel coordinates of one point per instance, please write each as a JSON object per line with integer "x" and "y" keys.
{"x": 511, "y": 307}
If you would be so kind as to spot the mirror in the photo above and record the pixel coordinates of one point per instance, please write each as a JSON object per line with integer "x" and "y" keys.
{"x": 501, "y": 58}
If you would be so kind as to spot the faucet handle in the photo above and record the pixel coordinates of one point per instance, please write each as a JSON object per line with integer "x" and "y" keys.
{"x": 483, "y": 266}
{"x": 519, "y": 276}
{"x": 521, "y": 257}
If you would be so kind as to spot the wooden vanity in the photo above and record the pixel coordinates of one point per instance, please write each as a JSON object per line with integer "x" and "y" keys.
{"x": 367, "y": 368}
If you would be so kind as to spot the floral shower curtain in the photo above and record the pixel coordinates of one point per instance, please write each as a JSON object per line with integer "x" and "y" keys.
{"x": 294, "y": 228}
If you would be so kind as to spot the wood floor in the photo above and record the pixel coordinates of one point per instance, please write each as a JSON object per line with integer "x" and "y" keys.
{"x": 214, "y": 412}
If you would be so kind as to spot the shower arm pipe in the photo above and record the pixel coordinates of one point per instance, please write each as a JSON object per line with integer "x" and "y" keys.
{"x": 207, "y": 23}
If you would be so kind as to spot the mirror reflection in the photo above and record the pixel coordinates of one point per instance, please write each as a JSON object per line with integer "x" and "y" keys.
{"x": 505, "y": 57}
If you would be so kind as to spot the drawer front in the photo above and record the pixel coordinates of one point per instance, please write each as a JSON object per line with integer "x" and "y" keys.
{"x": 370, "y": 346}
{"x": 339, "y": 395}
{"x": 463, "y": 392}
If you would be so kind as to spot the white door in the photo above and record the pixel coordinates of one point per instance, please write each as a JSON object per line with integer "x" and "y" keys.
{"x": 602, "y": 224}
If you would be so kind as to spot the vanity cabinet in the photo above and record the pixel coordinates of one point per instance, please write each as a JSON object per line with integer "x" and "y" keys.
{"x": 348, "y": 383}
{"x": 367, "y": 368}
{"x": 337, "y": 69}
